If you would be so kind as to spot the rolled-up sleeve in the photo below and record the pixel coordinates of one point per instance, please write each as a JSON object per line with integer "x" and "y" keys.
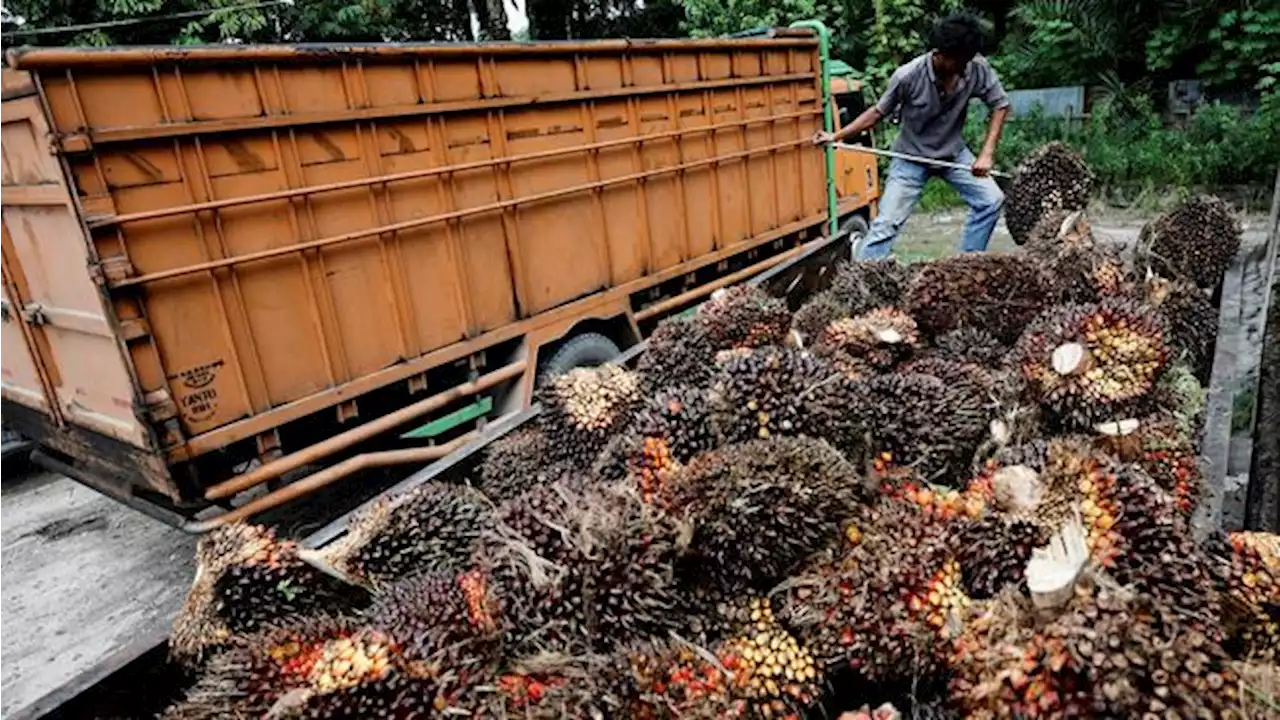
{"x": 892, "y": 96}
{"x": 990, "y": 89}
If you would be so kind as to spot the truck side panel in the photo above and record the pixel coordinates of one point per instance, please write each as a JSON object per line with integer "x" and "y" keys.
{"x": 277, "y": 222}
{"x": 62, "y": 356}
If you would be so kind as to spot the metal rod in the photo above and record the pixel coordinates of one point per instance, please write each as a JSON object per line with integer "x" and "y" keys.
{"x": 442, "y": 217}
{"x": 338, "y": 443}
{"x": 327, "y": 476}
{"x": 914, "y": 158}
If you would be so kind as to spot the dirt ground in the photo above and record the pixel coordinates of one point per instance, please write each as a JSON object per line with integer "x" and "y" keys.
{"x": 83, "y": 577}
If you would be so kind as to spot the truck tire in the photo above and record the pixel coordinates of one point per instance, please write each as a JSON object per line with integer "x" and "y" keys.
{"x": 856, "y": 226}
{"x": 586, "y": 350}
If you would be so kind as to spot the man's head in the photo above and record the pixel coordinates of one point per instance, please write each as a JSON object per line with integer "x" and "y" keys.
{"x": 956, "y": 39}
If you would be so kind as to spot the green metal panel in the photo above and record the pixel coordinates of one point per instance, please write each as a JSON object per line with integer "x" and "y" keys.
{"x": 448, "y": 422}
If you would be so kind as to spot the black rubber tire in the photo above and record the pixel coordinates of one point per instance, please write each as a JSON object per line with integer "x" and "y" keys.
{"x": 856, "y": 226}
{"x": 586, "y": 350}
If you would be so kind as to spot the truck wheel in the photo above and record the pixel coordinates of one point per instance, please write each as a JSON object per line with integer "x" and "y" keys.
{"x": 586, "y": 350}
{"x": 856, "y": 226}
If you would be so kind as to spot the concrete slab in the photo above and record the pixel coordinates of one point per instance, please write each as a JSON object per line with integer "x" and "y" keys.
{"x": 85, "y": 580}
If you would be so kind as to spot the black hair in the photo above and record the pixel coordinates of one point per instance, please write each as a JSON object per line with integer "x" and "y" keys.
{"x": 958, "y": 35}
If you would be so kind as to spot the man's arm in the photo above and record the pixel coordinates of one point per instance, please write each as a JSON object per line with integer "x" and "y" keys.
{"x": 987, "y": 158}
{"x": 993, "y": 94}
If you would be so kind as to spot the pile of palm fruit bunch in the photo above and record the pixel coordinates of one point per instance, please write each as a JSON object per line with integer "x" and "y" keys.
{"x": 956, "y": 489}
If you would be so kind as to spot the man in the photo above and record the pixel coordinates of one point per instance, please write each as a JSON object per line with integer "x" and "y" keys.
{"x": 932, "y": 93}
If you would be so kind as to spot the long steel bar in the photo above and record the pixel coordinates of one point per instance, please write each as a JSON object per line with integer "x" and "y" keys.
{"x": 913, "y": 158}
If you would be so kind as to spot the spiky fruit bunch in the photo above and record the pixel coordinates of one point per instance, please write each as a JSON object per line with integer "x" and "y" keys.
{"x": 1195, "y": 241}
{"x": 816, "y": 314}
{"x": 744, "y": 316}
{"x": 582, "y": 567}
{"x": 322, "y": 668}
{"x": 774, "y": 392}
{"x": 1191, "y": 318}
{"x": 1082, "y": 270}
{"x": 970, "y": 344}
{"x": 869, "y": 608}
{"x": 998, "y": 292}
{"x": 881, "y": 337}
{"x": 925, "y": 423}
{"x": 551, "y": 686}
{"x": 247, "y": 577}
{"x": 1052, "y": 177}
{"x": 759, "y": 508}
{"x": 1091, "y": 363}
{"x": 668, "y": 431}
{"x": 679, "y": 352}
{"x": 1164, "y": 450}
{"x": 1248, "y": 569}
{"x": 583, "y": 408}
{"x": 675, "y": 680}
{"x": 772, "y": 671}
{"x": 864, "y": 285}
{"x": 444, "y": 619}
{"x": 517, "y": 462}
{"x": 993, "y": 554}
{"x": 430, "y": 528}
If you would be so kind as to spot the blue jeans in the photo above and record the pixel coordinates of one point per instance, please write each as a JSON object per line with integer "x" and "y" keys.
{"x": 902, "y": 190}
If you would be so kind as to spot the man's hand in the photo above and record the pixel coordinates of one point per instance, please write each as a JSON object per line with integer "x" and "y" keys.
{"x": 823, "y": 137}
{"x": 982, "y": 166}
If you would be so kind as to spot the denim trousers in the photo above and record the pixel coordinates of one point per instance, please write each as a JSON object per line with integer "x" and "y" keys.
{"x": 902, "y": 191}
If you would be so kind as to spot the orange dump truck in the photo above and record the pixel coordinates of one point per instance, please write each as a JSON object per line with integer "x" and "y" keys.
{"x": 227, "y": 267}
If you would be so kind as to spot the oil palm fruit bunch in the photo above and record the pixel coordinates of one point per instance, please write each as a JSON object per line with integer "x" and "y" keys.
{"x": 924, "y": 422}
{"x": 774, "y": 392}
{"x": 246, "y": 577}
{"x": 583, "y": 408}
{"x": 856, "y": 610}
{"x": 881, "y": 337}
{"x": 672, "y": 679}
{"x": 969, "y": 344}
{"x": 320, "y": 668}
{"x": 668, "y": 430}
{"x": 553, "y": 685}
{"x": 1002, "y": 666}
{"x": 1082, "y": 270}
{"x": 1247, "y": 566}
{"x": 997, "y": 292}
{"x": 680, "y": 351}
{"x": 864, "y": 285}
{"x": 582, "y": 566}
{"x": 1092, "y": 363}
{"x": 1036, "y": 482}
{"x": 1195, "y": 241}
{"x": 1162, "y": 448}
{"x": 1052, "y": 177}
{"x": 992, "y": 554}
{"x": 759, "y": 508}
{"x": 816, "y": 314}
{"x": 744, "y": 316}
{"x": 446, "y": 621}
{"x": 517, "y": 462}
{"x": 1191, "y": 318}
{"x": 430, "y": 528}
{"x": 771, "y": 669}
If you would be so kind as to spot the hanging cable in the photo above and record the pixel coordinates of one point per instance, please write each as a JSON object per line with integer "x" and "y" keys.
{"x": 139, "y": 20}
